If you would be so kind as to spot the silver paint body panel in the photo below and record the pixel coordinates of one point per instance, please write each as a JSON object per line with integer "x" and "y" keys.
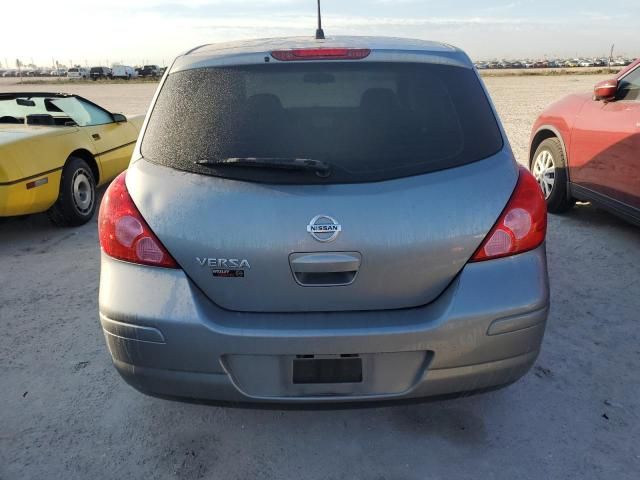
{"x": 435, "y": 222}
{"x": 200, "y": 336}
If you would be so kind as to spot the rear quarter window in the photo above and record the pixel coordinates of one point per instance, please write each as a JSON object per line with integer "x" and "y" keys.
{"x": 369, "y": 121}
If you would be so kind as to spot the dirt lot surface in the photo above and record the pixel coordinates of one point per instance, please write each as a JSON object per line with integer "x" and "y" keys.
{"x": 66, "y": 414}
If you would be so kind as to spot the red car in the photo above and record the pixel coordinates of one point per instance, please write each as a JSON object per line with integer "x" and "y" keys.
{"x": 587, "y": 147}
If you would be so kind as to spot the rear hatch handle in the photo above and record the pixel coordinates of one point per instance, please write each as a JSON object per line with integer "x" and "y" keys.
{"x": 325, "y": 268}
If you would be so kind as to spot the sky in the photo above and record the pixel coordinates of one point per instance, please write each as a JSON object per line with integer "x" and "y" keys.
{"x": 90, "y": 32}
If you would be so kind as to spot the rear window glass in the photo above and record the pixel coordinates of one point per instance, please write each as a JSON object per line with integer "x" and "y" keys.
{"x": 369, "y": 121}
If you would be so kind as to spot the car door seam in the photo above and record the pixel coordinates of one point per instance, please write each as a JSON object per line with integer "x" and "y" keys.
{"x": 114, "y": 149}
{"x": 13, "y": 182}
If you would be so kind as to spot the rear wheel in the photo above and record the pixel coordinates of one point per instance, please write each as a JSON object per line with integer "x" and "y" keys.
{"x": 77, "y": 198}
{"x": 549, "y": 167}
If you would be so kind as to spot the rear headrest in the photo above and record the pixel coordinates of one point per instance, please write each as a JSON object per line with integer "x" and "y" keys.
{"x": 378, "y": 100}
{"x": 40, "y": 119}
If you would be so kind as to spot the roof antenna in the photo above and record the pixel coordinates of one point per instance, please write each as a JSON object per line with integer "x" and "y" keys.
{"x": 319, "y": 31}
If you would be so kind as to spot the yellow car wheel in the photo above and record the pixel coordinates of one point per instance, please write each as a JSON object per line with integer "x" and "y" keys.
{"x": 76, "y": 202}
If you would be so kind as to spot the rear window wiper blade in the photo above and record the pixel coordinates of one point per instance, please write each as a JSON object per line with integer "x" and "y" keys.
{"x": 321, "y": 168}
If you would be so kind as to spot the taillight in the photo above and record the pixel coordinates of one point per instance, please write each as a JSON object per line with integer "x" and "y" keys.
{"x": 321, "y": 54}
{"x": 123, "y": 232}
{"x": 522, "y": 225}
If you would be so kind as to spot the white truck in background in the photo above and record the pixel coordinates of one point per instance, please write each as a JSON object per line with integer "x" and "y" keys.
{"x": 78, "y": 73}
{"x": 124, "y": 71}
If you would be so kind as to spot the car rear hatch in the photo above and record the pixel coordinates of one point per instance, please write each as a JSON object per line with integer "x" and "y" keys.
{"x": 418, "y": 176}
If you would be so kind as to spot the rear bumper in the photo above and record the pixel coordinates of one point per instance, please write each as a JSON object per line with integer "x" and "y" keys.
{"x": 219, "y": 387}
{"x": 167, "y": 338}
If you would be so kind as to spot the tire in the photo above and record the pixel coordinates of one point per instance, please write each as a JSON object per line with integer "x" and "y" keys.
{"x": 549, "y": 167}
{"x": 76, "y": 202}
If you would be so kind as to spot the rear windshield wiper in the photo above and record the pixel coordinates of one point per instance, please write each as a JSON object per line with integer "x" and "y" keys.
{"x": 322, "y": 169}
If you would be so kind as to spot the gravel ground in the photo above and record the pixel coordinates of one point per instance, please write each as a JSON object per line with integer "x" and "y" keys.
{"x": 66, "y": 413}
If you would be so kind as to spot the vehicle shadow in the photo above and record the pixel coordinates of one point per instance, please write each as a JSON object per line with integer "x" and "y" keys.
{"x": 587, "y": 214}
{"x": 38, "y": 226}
{"x": 388, "y": 435}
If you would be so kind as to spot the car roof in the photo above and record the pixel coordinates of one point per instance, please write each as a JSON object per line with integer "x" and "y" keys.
{"x": 247, "y": 52}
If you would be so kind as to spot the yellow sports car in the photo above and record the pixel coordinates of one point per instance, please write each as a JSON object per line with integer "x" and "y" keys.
{"x": 55, "y": 149}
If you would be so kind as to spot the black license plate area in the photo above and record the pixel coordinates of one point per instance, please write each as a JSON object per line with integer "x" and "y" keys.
{"x": 327, "y": 370}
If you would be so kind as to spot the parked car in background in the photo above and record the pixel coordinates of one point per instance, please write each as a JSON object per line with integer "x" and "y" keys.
{"x": 329, "y": 221}
{"x": 556, "y": 63}
{"x": 123, "y": 71}
{"x": 58, "y": 72}
{"x": 55, "y": 149}
{"x": 621, "y": 62}
{"x": 152, "y": 71}
{"x": 587, "y": 147}
{"x": 78, "y": 73}
{"x": 100, "y": 73}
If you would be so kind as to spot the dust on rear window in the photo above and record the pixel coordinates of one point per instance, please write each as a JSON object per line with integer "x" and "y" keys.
{"x": 369, "y": 121}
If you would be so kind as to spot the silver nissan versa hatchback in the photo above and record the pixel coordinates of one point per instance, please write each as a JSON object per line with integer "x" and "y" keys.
{"x": 322, "y": 221}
